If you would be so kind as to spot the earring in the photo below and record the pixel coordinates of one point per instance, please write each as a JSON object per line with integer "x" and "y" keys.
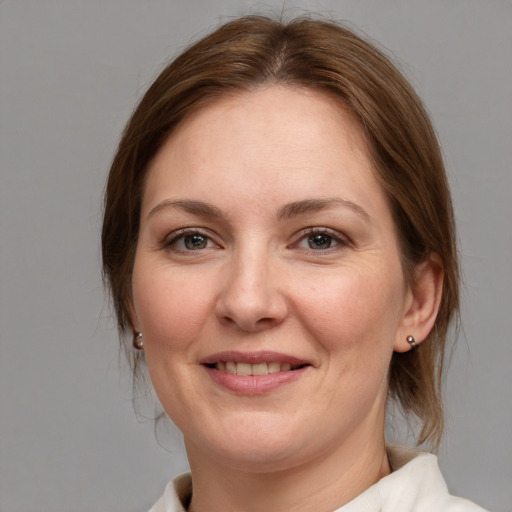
{"x": 138, "y": 342}
{"x": 410, "y": 339}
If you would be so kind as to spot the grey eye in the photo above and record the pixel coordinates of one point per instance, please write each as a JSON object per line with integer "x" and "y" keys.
{"x": 195, "y": 242}
{"x": 320, "y": 241}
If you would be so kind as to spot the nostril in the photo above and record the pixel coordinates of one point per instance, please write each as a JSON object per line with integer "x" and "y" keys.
{"x": 227, "y": 320}
{"x": 263, "y": 321}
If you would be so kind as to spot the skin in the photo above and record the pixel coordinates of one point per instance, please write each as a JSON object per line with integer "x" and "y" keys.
{"x": 258, "y": 282}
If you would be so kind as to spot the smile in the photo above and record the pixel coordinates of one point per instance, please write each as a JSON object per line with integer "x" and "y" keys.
{"x": 254, "y": 373}
{"x": 261, "y": 368}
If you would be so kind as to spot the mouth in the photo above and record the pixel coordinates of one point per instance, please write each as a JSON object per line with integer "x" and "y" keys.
{"x": 258, "y": 368}
{"x": 254, "y": 373}
{"x": 254, "y": 364}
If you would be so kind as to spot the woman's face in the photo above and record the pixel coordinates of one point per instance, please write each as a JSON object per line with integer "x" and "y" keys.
{"x": 267, "y": 281}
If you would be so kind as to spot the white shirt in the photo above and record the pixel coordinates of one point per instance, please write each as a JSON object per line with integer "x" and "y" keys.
{"x": 415, "y": 485}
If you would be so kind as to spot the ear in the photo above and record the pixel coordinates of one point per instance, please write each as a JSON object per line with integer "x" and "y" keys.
{"x": 422, "y": 303}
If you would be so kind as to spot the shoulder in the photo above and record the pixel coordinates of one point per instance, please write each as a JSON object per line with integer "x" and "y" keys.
{"x": 456, "y": 504}
{"x": 416, "y": 484}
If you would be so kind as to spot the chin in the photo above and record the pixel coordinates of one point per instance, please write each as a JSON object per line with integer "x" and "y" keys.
{"x": 256, "y": 445}
{"x": 252, "y": 458}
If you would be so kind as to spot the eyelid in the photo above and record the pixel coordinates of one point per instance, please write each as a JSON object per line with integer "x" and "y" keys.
{"x": 342, "y": 239}
{"x": 174, "y": 236}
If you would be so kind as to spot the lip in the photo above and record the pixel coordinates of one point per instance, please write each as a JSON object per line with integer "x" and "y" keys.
{"x": 254, "y": 384}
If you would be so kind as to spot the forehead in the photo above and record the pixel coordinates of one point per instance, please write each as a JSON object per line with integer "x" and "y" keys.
{"x": 280, "y": 114}
{"x": 273, "y": 140}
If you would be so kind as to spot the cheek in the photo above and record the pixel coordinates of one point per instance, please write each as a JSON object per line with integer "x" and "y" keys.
{"x": 171, "y": 308}
{"x": 354, "y": 321}
{"x": 354, "y": 311}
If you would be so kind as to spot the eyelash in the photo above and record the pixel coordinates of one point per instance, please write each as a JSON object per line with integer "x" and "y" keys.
{"x": 170, "y": 242}
{"x": 340, "y": 240}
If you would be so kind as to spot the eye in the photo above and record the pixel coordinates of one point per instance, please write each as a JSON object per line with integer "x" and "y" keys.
{"x": 320, "y": 240}
{"x": 195, "y": 242}
{"x": 185, "y": 241}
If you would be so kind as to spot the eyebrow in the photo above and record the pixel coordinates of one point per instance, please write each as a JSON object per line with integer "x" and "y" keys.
{"x": 287, "y": 211}
{"x": 190, "y": 206}
{"x": 313, "y": 205}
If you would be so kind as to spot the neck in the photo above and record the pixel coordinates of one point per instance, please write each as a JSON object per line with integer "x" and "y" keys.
{"x": 326, "y": 483}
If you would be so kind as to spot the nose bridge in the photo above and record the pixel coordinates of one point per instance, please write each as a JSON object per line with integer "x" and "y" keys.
{"x": 251, "y": 298}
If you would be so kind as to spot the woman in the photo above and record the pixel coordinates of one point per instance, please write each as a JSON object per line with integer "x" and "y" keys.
{"x": 279, "y": 239}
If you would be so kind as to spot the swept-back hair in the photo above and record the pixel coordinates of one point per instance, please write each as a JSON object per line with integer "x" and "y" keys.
{"x": 251, "y": 52}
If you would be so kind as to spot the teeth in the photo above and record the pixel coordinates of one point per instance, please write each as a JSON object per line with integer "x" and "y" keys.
{"x": 243, "y": 369}
{"x": 253, "y": 369}
{"x": 259, "y": 369}
{"x": 274, "y": 367}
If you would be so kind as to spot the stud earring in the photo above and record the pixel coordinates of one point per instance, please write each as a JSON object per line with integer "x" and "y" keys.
{"x": 410, "y": 339}
{"x": 138, "y": 342}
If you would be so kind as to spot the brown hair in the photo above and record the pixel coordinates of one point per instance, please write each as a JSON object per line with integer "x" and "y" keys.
{"x": 253, "y": 51}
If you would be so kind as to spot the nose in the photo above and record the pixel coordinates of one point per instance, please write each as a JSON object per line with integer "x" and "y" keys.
{"x": 251, "y": 299}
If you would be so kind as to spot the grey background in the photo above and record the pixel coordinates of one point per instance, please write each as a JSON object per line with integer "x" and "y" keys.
{"x": 70, "y": 73}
